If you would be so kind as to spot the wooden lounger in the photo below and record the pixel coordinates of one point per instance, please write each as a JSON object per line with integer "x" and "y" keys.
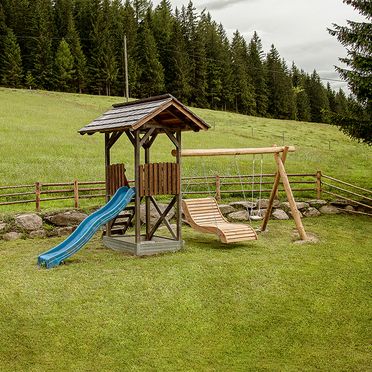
{"x": 205, "y": 216}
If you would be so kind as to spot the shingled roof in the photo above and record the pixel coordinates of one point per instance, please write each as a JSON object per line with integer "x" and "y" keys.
{"x": 163, "y": 110}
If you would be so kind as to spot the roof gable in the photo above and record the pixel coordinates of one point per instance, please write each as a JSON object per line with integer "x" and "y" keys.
{"x": 163, "y": 110}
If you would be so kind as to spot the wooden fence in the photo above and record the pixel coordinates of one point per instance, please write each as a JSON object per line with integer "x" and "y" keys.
{"x": 218, "y": 186}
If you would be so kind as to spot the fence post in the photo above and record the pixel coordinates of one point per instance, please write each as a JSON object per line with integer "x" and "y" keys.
{"x": 76, "y": 194}
{"x": 318, "y": 184}
{"x": 218, "y": 188}
{"x": 37, "y": 195}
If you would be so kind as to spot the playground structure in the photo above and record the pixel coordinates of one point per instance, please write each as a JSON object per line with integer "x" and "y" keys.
{"x": 142, "y": 121}
{"x": 209, "y": 213}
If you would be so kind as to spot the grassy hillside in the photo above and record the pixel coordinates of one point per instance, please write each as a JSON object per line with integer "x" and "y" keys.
{"x": 39, "y": 141}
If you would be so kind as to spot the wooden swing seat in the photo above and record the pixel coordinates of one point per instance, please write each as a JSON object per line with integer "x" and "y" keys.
{"x": 205, "y": 216}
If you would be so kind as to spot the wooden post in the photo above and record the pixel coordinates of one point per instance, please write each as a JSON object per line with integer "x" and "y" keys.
{"x": 179, "y": 195}
{"x": 273, "y": 194}
{"x": 292, "y": 203}
{"x": 318, "y": 184}
{"x": 147, "y": 198}
{"x": 137, "y": 160}
{"x": 107, "y": 176}
{"x": 218, "y": 188}
{"x": 37, "y": 195}
{"x": 76, "y": 194}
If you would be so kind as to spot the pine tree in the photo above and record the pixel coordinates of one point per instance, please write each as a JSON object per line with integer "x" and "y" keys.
{"x": 257, "y": 74}
{"x": 151, "y": 74}
{"x": 280, "y": 92}
{"x": 356, "y": 38}
{"x": 42, "y": 56}
{"x": 178, "y": 79}
{"x": 11, "y": 62}
{"x": 140, "y": 8}
{"x": 64, "y": 64}
{"x": 244, "y": 92}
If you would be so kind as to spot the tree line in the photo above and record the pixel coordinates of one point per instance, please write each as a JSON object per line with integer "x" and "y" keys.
{"x": 78, "y": 46}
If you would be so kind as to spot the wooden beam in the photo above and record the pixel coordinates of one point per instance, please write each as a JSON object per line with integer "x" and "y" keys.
{"x": 172, "y": 138}
{"x": 165, "y": 220}
{"x": 137, "y": 149}
{"x": 146, "y": 136}
{"x": 147, "y": 199}
{"x": 151, "y": 140}
{"x": 241, "y": 151}
{"x": 131, "y": 137}
{"x": 179, "y": 194}
{"x": 107, "y": 165}
{"x": 162, "y": 217}
{"x": 273, "y": 194}
{"x": 113, "y": 138}
{"x": 291, "y": 200}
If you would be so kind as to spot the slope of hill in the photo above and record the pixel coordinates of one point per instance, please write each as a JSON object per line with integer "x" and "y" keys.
{"x": 39, "y": 141}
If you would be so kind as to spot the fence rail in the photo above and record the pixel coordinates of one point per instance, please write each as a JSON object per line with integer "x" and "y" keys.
{"x": 247, "y": 185}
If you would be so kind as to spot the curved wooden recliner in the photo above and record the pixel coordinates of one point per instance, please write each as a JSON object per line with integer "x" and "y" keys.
{"x": 205, "y": 216}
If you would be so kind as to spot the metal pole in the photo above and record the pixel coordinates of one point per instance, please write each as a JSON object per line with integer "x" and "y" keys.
{"x": 126, "y": 68}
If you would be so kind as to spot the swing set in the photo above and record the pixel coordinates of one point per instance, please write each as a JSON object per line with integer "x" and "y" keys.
{"x": 204, "y": 215}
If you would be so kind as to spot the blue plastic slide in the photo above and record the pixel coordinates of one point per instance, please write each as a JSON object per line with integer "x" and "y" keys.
{"x": 87, "y": 229}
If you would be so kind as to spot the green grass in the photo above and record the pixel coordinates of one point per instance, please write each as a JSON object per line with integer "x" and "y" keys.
{"x": 39, "y": 142}
{"x": 266, "y": 305}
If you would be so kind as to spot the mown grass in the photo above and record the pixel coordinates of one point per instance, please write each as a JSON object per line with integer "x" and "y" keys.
{"x": 266, "y": 305}
{"x": 39, "y": 142}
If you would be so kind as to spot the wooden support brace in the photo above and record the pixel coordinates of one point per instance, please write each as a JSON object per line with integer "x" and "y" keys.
{"x": 165, "y": 220}
{"x": 291, "y": 200}
{"x": 113, "y": 138}
{"x": 162, "y": 217}
{"x": 146, "y": 136}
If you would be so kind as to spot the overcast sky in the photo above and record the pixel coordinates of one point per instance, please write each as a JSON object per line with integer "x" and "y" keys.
{"x": 297, "y": 28}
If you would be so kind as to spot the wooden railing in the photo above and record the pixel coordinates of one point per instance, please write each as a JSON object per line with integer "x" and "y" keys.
{"x": 217, "y": 186}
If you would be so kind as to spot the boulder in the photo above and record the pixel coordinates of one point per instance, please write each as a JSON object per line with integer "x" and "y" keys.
{"x": 12, "y": 235}
{"x": 67, "y": 230}
{"x": 259, "y": 213}
{"x": 38, "y": 234}
{"x": 264, "y": 203}
{"x": 279, "y": 214}
{"x": 342, "y": 203}
{"x": 317, "y": 203}
{"x": 226, "y": 209}
{"x": 329, "y": 209}
{"x": 291, "y": 216}
{"x": 300, "y": 205}
{"x": 29, "y": 221}
{"x": 70, "y": 218}
{"x": 348, "y": 208}
{"x": 154, "y": 213}
{"x": 239, "y": 216}
{"x": 2, "y": 226}
{"x": 311, "y": 212}
{"x": 243, "y": 205}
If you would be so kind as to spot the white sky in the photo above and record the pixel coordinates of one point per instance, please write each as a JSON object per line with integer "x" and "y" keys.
{"x": 297, "y": 28}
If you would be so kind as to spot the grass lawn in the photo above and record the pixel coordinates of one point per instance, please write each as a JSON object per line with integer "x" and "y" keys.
{"x": 39, "y": 142}
{"x": 266, "y": 305}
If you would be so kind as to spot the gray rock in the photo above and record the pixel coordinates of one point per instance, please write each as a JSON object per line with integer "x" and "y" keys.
{"x": 317, "y": 203}
{"x": 259, "y": 213}
{"x": 279, "y": 214}
{"x": 349, "y": 208}
{"x": 67, "y": 230}
{"x": 12, "y": 235}
{"x": 243, "y": 205}
{"x": 291, "y": 215}
{"x": 38, "y": 234}
{"x": 2, "y": 226}
{"x": 329, "y": 209}
{"x": 311, "y": 212}
{"x": 300, "y": 205}
{"x": 342, "y": 203}
{"x": 29, "y": 221}
{"x": 264, "y": 203}
{"x": 154, "y": 213}
{"x": 70, "y": 218}
{"x": 239, "y": 216}
{"x": 226, "y": 209}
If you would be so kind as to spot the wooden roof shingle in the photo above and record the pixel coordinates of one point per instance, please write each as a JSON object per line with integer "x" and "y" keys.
{"x": 163, "y": 110}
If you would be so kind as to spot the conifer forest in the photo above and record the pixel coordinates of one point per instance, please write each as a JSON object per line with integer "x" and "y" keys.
{"x": 78, "y": 46}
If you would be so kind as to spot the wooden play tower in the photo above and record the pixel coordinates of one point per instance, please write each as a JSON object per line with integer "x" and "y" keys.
{"x": 142, "y": 121}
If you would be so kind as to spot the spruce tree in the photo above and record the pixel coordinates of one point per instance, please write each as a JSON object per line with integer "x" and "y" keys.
{"x": 11, "y": 62}
{"x": 64, "y": 64}
{"x": 151, "y": 74}
{"x": 257, "y": 74}
{"x": 356, "y": 38}
{"x": 42, "y": 53}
